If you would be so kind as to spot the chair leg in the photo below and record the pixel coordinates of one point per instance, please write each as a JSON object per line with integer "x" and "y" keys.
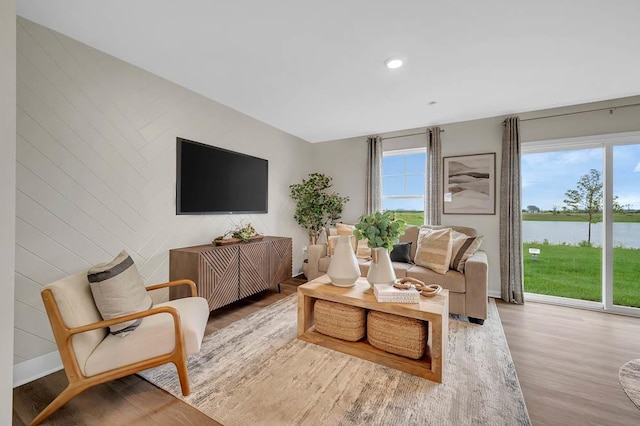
{"x": 66, "y": 395}
{"x": 183, "y": 374}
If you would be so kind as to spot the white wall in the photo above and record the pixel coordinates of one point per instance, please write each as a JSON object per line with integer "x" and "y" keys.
{"x": 344, "y": 160}
{"x": 96, "y": 171}
{"x": 7, "y": 200}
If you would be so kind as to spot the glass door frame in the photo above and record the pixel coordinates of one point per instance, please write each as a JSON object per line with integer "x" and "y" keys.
{"x": 607, "y": 143}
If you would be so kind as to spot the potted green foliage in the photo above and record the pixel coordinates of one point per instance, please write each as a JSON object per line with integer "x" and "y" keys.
{"x": 381, "y": 229}
{"x": 315, "y": 206}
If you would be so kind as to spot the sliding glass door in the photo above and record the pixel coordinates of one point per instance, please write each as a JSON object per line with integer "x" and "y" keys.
{"x": 581, "y": 222}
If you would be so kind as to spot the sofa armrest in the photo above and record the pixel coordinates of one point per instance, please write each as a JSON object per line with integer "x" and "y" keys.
{"x": 315, "y": 252}
{"x": 476, "y": 275}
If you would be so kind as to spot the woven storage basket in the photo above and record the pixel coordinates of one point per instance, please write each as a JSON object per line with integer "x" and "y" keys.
{"x": 396, "y": 334}
{"x": 341, "y": 321}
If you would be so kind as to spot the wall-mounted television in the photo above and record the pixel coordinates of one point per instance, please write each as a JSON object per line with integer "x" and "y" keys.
{"x": 211, "y": 180}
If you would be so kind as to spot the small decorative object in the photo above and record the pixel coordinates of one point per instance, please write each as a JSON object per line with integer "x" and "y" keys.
{"x": 408, "y": 283}
{"x": 382, "y": 231}
{"x": 243, "y": 233}
{"x": 343, "y": 269}
{"x": 315, "y": 208}
{"x": 469, "y": 184}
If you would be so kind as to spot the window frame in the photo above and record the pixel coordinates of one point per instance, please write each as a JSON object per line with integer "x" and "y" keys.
{"x": 404, "y": 152}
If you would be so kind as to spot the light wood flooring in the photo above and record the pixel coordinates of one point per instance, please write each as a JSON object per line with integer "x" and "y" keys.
{"x": 567, "y": 362}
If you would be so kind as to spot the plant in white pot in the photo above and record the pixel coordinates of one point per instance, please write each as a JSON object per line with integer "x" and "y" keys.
{"x": 381, "y": 229}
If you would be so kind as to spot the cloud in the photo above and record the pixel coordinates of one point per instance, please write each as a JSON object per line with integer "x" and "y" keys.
{"x": 637, "y": 169}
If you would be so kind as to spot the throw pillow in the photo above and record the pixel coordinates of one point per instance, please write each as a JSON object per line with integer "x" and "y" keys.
{"x": 118, "y": 290}
{"x": 401, "y": 253}
{"x": 434, "y": 249}
{"x": 462, "y": 248}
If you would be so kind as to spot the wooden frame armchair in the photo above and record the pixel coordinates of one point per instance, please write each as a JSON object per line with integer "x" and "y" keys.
{"x": 90, "y": 355}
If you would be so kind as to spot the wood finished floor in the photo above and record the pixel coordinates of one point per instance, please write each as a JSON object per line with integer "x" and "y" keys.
{"x": 567, "y": 362}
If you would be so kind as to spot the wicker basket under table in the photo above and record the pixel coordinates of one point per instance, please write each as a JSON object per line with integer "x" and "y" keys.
{"x": 340, "y": 321}
{"x": 396, "y": 334}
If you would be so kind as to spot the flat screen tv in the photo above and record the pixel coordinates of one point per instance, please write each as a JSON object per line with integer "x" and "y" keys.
{"x": 211, "y": 180}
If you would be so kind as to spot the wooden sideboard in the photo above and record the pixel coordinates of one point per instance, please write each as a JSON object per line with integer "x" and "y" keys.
{"x": 224, "y": 274}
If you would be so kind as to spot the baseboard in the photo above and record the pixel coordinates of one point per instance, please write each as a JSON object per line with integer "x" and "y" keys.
{"x": 35, "y": 368}
{"x": 495, "y": 294}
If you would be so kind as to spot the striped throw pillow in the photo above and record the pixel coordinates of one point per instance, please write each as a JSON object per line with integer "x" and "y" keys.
{"x": 118, "y": 290}
{"x": 462, "y": 248}
{"x": 434, "y": 249}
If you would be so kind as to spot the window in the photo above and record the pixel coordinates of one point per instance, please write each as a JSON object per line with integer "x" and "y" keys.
{"x": 403, "y": 184}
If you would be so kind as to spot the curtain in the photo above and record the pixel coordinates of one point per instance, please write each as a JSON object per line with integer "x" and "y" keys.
{"x": 433, "y": 174}
{"x": 374, "y": 175}
{"x": 512, "y": 288}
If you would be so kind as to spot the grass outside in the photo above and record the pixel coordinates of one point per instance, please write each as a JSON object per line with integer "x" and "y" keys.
{"x": 411, "y": 217}
{"x": 576, "y": 272}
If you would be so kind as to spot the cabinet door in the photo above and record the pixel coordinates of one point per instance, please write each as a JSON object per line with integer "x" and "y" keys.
{"x": 280, "y": 257}
{"x": 218, "y": 272}
{"x": 254, "y": 268}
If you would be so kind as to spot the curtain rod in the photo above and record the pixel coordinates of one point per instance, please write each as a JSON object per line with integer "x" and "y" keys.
{"x": 410, "y": 134}
{"x": 581, "y": 112}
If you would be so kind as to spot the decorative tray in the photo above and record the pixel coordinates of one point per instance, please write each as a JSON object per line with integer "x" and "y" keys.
{"x": 229, "y": 241}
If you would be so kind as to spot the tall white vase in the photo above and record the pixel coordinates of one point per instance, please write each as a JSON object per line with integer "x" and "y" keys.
{"x": 381, "y": 270}
{"x": 343, "y": 269}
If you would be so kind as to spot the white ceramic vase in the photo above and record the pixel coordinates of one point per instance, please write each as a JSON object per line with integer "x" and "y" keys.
{"x": 381, "y": 269}
{"x": 343, "y": 269}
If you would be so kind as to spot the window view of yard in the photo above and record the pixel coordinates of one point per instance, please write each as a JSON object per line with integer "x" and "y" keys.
{"x": 403, "y": 184}
{"x": 562, "y": 217}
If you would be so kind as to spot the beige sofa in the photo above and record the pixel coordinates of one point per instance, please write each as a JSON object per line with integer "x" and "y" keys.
{"x": 467, "y": 291}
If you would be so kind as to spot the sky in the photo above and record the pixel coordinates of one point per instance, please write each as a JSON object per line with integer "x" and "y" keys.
{"x": 546, "y": 177}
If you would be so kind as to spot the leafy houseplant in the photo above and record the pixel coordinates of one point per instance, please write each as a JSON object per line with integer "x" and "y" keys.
{"x": 381, "y": 229}
{"x": 316, "y": 208}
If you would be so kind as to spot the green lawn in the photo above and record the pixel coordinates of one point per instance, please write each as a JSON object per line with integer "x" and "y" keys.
{"x": 411, "y": 217}
{"x": 575, "y": 272}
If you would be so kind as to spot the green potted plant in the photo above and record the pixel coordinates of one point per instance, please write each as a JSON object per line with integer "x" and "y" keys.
{"x": 315, "y": 207}
{"x": 381, "y": 229}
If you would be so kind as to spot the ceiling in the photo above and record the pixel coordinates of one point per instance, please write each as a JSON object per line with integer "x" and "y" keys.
{"x": 315, "y": 68}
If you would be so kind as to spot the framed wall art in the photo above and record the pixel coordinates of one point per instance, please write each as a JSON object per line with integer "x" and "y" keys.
{"x": 469, "y": 184}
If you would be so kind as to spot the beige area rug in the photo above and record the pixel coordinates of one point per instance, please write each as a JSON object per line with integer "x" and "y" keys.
{"x": 256, "y": 372}
{"x": 630, "y": 380}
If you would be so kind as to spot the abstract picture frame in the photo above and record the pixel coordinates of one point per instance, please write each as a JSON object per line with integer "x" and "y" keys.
{"x": 469, "y": 184}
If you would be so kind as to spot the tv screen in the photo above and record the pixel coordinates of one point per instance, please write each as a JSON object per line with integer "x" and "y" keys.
{"x": 211, "y": 180}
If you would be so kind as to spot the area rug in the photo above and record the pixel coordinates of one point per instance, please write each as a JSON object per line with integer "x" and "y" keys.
{"x": 630, "y": 380}
{"x": 256, "y": 372}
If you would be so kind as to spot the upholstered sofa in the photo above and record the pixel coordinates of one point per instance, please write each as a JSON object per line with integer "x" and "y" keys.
{"x": 467, "y": 290}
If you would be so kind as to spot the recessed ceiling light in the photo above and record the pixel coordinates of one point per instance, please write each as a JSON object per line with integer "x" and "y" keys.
{"x": 432, "y": 103}
{"x": 393, "y": 63}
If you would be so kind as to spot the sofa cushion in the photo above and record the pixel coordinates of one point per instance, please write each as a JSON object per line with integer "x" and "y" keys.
{"x": 462, "y": 248}
{"x": 411, "y": 236}
{"x": 401, "y": 252}
{"x": 118, "y": 290}
{"x": 323, "y": 264}
{"x": 434, "y": 249}
{"x": 452, "y": 280}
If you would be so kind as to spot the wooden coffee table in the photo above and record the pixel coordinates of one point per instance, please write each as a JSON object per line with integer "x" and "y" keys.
{"x": 435, "y": 310}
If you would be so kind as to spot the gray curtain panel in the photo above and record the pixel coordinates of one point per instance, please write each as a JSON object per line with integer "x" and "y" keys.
{"x": 512, "y": 288}
{"x": 433, "y": 177}
{"x": 374, "y": 174}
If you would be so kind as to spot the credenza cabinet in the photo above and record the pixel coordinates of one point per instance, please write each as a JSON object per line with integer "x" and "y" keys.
{"x": 224, "y": 274}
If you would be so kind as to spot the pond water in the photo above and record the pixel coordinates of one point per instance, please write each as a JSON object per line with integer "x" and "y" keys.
{"x": 624, "y": 234}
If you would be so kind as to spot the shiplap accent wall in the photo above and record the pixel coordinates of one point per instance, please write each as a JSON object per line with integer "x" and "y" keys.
{"x": 7, "y": 199}
{"x": 96, "y": 170}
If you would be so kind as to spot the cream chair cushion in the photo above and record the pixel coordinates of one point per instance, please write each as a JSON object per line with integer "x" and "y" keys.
{"x": 153, "y": 337}
{"x": 76, "y": 306}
